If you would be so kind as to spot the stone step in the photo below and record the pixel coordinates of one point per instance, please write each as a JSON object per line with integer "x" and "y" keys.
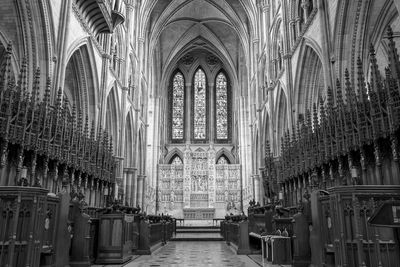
{"x": 197, "y": 227}
{"x": 197, "y": 237}
{"x": 188, "y": 230}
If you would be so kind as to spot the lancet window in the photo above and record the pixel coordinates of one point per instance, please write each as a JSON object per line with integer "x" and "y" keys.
{"x": 178, "y": 100}
{"x": 221, "y": 112}
{"x": 200, "y": 106}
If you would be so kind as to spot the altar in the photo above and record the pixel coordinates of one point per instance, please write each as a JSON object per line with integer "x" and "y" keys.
{"x": 198, "y": 213}
{"x": 197, "y": 188}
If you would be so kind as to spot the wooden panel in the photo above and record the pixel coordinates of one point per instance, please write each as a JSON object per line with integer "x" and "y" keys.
{"x": 22, "y": 220}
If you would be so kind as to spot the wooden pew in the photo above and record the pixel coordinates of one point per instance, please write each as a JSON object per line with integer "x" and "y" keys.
{"x": 154, "y": 231}
{"x": 236, "y": 233}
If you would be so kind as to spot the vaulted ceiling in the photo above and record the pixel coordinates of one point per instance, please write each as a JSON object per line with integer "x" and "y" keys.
{"x": 220, "y": 27}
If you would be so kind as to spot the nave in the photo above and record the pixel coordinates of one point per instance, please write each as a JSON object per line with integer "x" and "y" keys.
{"x": 193, "y": 254}
{"x": 278, "y": 120}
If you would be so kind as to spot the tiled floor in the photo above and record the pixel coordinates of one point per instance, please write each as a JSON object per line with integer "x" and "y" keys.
{"x": 187, "y": 254}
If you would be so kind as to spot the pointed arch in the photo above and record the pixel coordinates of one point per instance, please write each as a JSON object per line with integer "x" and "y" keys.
{"x": 227, "y": 154}
{"x": 176, "y": 160}
{"x": 80, "y": 81}
{"x": 200, "y": 100}
{"x": 112, "y": 118}
{"x": 174, "y": 152}
{"x": 310, "y": 80}
{"x": 281, "y": 118}
{"x": 222, "y": 160}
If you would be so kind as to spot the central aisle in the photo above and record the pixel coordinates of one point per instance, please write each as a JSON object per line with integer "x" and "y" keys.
{"x": 192, "y": 253}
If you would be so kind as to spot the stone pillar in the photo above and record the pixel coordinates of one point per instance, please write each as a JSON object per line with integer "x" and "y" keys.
{"x": 140, "y": 191}
{"x": 256, "y": 178}
{"x": 134, "y": 189}
{"x": 129, "y": 173}
{"x": 60, "y": 59}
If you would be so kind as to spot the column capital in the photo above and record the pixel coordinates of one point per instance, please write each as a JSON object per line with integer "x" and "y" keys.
{"x": 130, "y": 169}
{"x": 141, "y": 177}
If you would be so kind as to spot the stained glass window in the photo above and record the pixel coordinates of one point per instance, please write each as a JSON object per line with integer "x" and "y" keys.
{"x": 200, "y": 105}
{"x": 176, "y": 161}
{"x": 178, "y": 99}
{"x": 221, "y": 107}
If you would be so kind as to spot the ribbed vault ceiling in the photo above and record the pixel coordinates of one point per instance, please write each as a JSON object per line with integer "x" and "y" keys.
{"x": 177, "y": 27}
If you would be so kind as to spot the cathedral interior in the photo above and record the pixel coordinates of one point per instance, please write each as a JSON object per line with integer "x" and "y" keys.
{"x": 200, "y": 133}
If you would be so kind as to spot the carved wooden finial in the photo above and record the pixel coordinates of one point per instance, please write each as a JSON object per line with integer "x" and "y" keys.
{"x": 65, "y": 108}
{"x": 361, "y": 81}
{"x": 35, "y": 88}
{"x": 46, "y": 98}
{"x": 86, "y": 130}
{"x": 21, "y": 84}
{"x": 315, "y": 116}
{"x": 5, "y": 71}
{"x": 267, "y": 148}
{"x": 92, "y": 131}
{"x": 73, "y": 116}
{"x": 111, "y": 145}
{"x": 329, "y": 99}
{"x": 375, "y": 75}
{"x": 322, "y": 110}
{"x": 308, "y": 121}
{"x": 393, "y": 57}
{"x": 80, "y": 122}
{"x": 339, "y": 96}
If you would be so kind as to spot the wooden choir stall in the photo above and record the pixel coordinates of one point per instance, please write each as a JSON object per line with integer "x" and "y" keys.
{"x": 338, "y": 166}
{"x": 57, "y": 183}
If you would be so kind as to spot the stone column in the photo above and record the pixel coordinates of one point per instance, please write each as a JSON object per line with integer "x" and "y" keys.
{"x": 134, "y": 189}
{"x": 256, "y": 178}
{"x": 128, "y": 172}
{"x": 60, "y": 59}
{"x": 140, "y": 191}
